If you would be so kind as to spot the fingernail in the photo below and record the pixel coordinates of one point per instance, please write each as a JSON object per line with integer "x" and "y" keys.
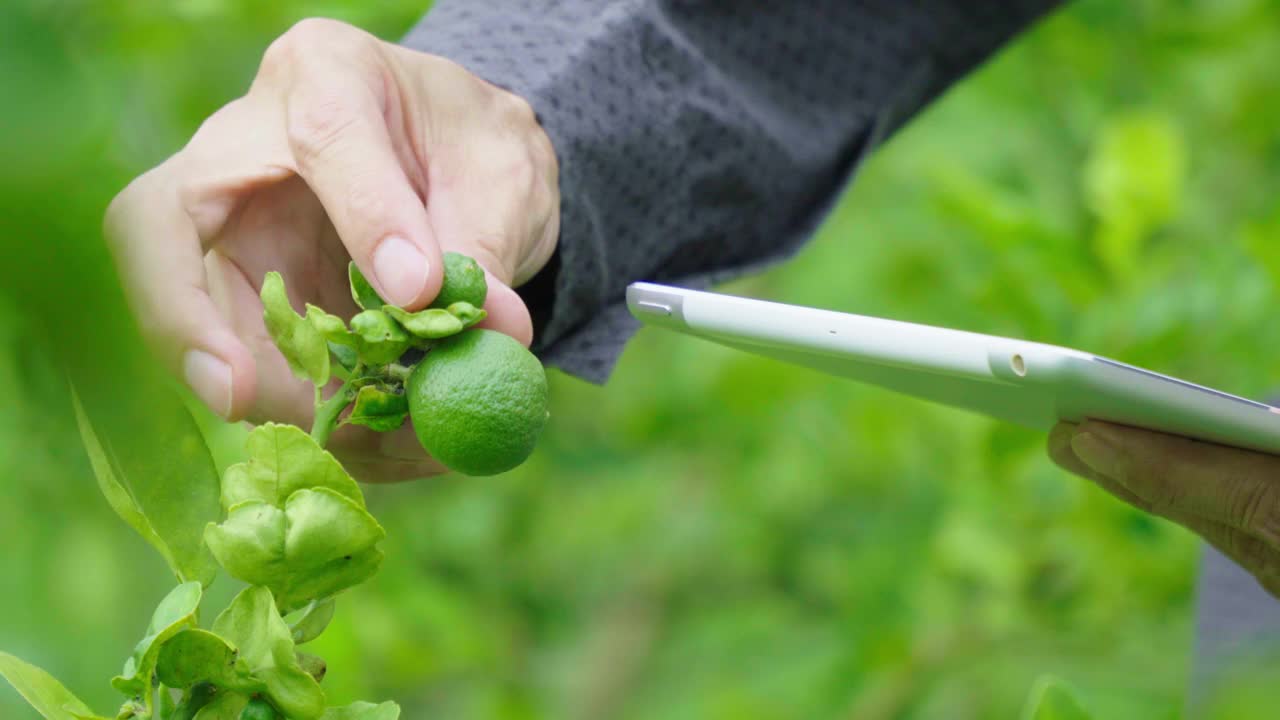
{"x": 1101, "y": 456}
{"x": 400, "y": 269}
{"x": 210, "y": 378}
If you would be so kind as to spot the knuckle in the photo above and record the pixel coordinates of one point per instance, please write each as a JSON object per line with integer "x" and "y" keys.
{"x": 516, "y": 110}
{"x": 116, "y": 221}
{"x": 1158, "y": 482}
{"x": 300, "y": 43}
{"x": 113, "y": 218}
{"x": 1257, "y": 508}
{"x": 493, "y": 250}
{"x": 315, "y": 123}
{"x": 1250, "y": 553}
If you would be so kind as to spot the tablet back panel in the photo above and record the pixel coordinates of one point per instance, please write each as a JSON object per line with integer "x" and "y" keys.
{"x": 1030, "y": 384}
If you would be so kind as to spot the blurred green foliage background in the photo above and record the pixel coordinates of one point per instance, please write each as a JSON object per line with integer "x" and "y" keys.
{"x": 711, "y": 535}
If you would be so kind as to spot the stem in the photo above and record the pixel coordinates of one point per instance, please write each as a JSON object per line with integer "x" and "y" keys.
{"x": 327, "y": 412}
{"x": 398, "y": 372}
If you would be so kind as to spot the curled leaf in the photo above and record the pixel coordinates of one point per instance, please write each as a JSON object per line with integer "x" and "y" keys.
{"x": 48, "y": 696}
{"x": 194, "y": 700}
{"x": 429, "y": 324}
{"x": 330, "y": 326}
{"x": 254, "y": 625}
{"x": 379, "y": 409}
{"x": 315, "y": 666}
{"x": 380, "y": 340}
{"x": 176, "y": 612}
{"x": 361, "y": 291}
{"x": 196, "y": 656}
{"x": 319, "y": 544}
{"x": 466, "y": 312}
{"x": 223, "y": 706}
{"x": 307, "y": 624}
{"x": 302, "y": 345}
{"x": 283, "y": 459}
{"x": 346, "y": 357}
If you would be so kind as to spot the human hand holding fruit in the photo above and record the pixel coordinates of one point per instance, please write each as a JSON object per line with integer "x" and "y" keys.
{"x": 344, "y": 149}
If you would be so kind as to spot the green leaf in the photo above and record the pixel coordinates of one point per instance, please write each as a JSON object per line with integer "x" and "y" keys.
{"x": 380, "y": 339}
{"x": 260, "y": 709}
{"x": 302, "y": 345}
{"x": 1053, "y": 699}
{"x": 196, "y": 656}
{"x": 379, "y": 409}
{"x": 364, "y": 711}
{"x": 224, "y": 706}
{"x": 346, "y": 357}
{"x": 44, "y": 693}
{"x": 315, "y": 665}
{"x": 167, "y": 704}
{"x": 361, "y": 291}
{"x": 195, "y": 699}
{"x": 466, "y": 312}
{"x": 307, "y": 624}
{"x": 296, "y": 520}
{"x": 164, "y": 496}
{"x": 430, "y": 324}
{"x": 282, "y": 460}
{"x": 176, "y": 612}
{"x": 250, "y": 543}
{"x": 254, "y": 625}
{"x": 321, "y": 543}
{"x": 330, "y": 326}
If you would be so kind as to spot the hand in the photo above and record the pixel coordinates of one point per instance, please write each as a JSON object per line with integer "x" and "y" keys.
{"x": 344, "y": 148}
{"x": 1230, "y": 497}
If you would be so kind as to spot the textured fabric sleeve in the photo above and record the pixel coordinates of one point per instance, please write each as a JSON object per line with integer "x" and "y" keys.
{"x": 699, "y": 140}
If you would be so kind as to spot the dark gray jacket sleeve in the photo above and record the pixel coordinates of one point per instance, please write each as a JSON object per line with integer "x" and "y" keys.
{"x": 699, "y": 140}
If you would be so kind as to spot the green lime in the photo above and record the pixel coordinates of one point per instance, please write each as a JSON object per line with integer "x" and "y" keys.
{"x": 463, "y": 282}
{"x": 259, "y": 709}
{"x": 478, "y": 401}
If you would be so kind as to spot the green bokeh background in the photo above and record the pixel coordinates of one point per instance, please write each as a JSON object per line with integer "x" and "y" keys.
{"x": 711, "y": 535}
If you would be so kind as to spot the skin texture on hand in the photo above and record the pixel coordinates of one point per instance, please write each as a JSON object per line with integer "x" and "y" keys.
{"x": 1228, "y": 496}
{"x": 344, "y": 148}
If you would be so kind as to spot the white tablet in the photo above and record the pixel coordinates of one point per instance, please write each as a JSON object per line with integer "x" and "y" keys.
{"x": 1027, "y": 383}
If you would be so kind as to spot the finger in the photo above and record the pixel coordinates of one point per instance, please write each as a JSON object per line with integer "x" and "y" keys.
{"x": 337, "y": 133}
{"x": 1061, "y": 453}
{"x": 1250, "y": 553}
{"x": 281, "y": 396}
{"x": 1234, "y": 487}
{"x": 506, "y": 312}
{"x": 162, "y": 269}
{"x": 495, "y": 203}
{"x": 239, "y": 149}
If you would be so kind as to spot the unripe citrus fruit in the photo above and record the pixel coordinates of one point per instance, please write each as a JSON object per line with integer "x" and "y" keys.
{"x": 478, "y": 401}
{"x": 463, "y": 282}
